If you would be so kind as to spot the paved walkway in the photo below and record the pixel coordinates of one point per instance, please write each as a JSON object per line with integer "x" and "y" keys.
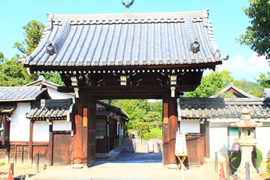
{"x": 127, "y": 165}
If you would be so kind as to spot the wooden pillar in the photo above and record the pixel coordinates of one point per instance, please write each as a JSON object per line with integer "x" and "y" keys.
{"x": 91, "y": 131}
{"x": 207, "y": 142}
{"x": 85, "y": 134}
{"x": 30, "y": 144}
{"x": 78, "y": 152}
{"x": 50, "y": 154}
{"x": 170, "y": 126}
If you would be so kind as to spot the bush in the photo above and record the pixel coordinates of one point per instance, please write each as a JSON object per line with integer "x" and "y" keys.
{"x": 268, "y": 167}
{"x": 236, "y": 159}
{"x": 2, "y": 163}
{"x": 148, "y": 136}
{"x": 142, "y": 128}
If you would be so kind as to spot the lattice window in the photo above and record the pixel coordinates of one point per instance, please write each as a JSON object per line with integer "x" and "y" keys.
{"x": 101, "y": 126}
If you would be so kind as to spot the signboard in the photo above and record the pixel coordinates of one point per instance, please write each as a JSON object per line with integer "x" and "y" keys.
{"x": 180, "y": 144}
{"x": 166, "y": 114}
{"x": 84, "y": 117}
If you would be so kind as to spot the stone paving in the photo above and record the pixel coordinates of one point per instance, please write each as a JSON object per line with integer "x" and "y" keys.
{"x": 127, "y": 165}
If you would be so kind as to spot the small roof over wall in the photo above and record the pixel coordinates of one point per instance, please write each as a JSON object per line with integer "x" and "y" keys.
{"x": 51, "y": 109}
{"x": 127, "y": 39}
{"x": 205, "y": 108}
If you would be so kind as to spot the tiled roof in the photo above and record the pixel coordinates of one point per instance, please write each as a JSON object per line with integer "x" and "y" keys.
{"x": 7, "y": 108}
{"x": 240, "y": 91}
{"x": 51, "y": 109}
{"x": 20, "y": 93}
{"x": 266, "y": 93}
{"x": 204, "y": 108}
{"x": 126, "y": 40}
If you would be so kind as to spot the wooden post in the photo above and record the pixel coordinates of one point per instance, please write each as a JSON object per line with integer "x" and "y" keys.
{"x": 85, "y": 134}
{"x": 169, "y": 129}
{"x": 207, "y": 142}
{"x": 173, "y": 125}
{"x": 165, "y": 157}
{"x": 50, "y": 154}
{"x": 30, "y": 145}
{"x": 228, "y": 166}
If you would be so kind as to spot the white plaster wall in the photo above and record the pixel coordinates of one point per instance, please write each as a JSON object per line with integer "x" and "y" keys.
{"x": 54, "y": 94}
{"x": 41, "y": 131}
{"x": 218, "y": 139}
{"x": 190, "y": 126}
{"x": 62, "y": 125}
{"x": 262, "y": 134}
{"x": 20, "y": 125}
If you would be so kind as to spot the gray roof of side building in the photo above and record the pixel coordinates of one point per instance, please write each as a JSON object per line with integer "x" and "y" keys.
{"x": 231, "y": 86}
{"x": 205, "y": 108}
{"x": 20, "y": 93}
{"x": 127, "y": 39}
{"x": 266, "y": 93}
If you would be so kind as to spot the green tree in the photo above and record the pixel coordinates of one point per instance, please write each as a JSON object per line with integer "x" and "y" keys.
{"x": 2, "y": 57}
{"x": 14, "y": 74}
{"x": 252, "y": 88}
{"x": 258, "y": 33}
{"x": 133, "y": 109}
{"x": 211, "y": 84}
{"x": 263, "y": 80}
{"x": 154, "y": 119}
{"x": 53, "y": 77}
{"x": 32, "y": 34}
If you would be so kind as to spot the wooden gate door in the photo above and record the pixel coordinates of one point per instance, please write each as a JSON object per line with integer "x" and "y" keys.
{"x": 62, "y": 148}
{"x": 195, "y": 148}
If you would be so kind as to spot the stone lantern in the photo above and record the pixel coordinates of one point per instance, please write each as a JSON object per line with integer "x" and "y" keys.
{"x": 246, "y": 143}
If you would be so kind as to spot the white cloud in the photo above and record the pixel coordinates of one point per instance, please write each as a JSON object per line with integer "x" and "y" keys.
{"x": 242, "y": 68}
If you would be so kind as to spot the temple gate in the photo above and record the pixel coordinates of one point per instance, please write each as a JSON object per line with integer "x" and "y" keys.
{"x": 126, "y": 56}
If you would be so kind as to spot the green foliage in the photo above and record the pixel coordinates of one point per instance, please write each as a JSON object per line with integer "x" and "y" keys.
{"x": 236, "y": 159}
{"x": 252, "y": 88}
{"x": 53, "y": 77}
{"x": 211, "y": 84}
{"x": 33, "y": 32}
{"x": 133, "y": 109}
{"x": 148, "y": 136}
{"x": 154, "y": 133}
{"x": 263, "y": 80}
{"x": 14, "y": 74}
{"x": 154, "y": 119}
{"x": 142, "y": 128}
{"x": 2, "y": 163}
{"x": 2, "y": 57}
{"x": 268, "y": 167}
{"x": 257, "y": 34}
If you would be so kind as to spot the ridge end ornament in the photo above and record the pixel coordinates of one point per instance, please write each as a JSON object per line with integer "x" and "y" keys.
{"x": 127, "y": 4}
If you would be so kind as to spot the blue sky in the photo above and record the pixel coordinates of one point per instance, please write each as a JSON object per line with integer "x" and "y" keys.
{"x": 227, "y": 17}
